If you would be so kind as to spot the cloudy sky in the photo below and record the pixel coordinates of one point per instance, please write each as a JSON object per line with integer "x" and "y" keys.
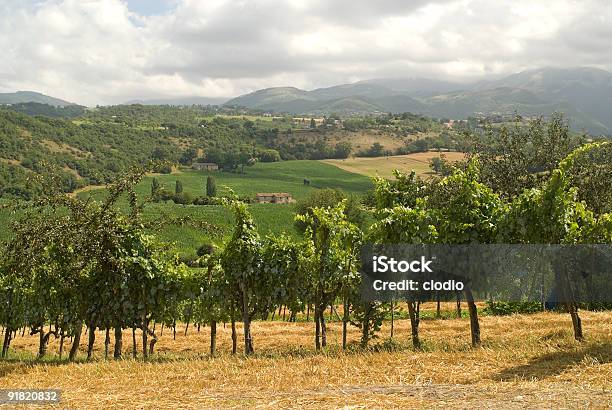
{"x": 111, "y": 51}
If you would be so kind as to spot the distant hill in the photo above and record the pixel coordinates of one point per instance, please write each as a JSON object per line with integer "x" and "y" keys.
{"x": 46, "y": 110}
{"x": 584, "y": 94}
{"x": 31, "y": 97}
{"x": 417, "y": 86}
{"x": 180, "y": 101}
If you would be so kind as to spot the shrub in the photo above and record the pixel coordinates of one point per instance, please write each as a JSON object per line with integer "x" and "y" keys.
{"x": 327, "y": 198}
{"x": 206, "y": 249}
{"x": 269, "y": 155}
{"x": 183, "y": 198}
{"x": 500, "y": 308}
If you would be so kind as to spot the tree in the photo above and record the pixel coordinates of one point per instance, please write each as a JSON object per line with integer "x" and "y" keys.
{"x": 334, "y": 244}
{"x": 75, "y": 262}
{"x": 241, "y": 263}
{"x": 155, "y": 188}
{"x": 343, "y": 149}
{"x": 213, "y": 299}
{"x": 188, "y": 156}
{"x": 245, "y": 157}
{"x": 522, "y": 157}
{"x": 591, "y": 173}
{"x": 553, "y": 214}
{"x": 456, "y": 210}
{"x": 282, "y": 266}
{"x": 269, "y": 155}
{"x": 184, "y": 198}
{"x": 160, "y": 154}
{"x": 466, "y": 211}
{"x": 211, "y": 187}
{"x": 178, "y": 187}
{"x": 404, "y": 224}
{"x": 376, "y": 150}
{"x": 440, "y": 165}
{"x": 421, "y": 145}
{"x": 214, "y": 155}
{"x": 328, "y": 198}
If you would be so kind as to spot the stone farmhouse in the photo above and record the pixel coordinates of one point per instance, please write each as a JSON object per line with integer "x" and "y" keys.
{"x": 274, "y": 198}
{"x": 205, "y": 166}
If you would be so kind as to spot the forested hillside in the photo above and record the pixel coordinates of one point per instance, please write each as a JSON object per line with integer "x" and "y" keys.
{"x": 47, "y": 110}
{"x": 82, "y": 153}
{"x": 96, "y": 146}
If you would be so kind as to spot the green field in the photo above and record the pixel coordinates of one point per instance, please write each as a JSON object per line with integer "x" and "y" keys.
{"x": 287, "y": 176}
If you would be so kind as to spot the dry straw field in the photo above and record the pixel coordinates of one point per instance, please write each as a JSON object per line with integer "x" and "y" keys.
{"x": 384, "y": 166}
{"x": 526, "y": 361}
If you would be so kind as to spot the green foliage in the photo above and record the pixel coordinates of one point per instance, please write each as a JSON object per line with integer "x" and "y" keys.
{"x": 261, "y": 274}
{"x": 268, "y": 155}
{"x": 464, "y": 209}
{"x": 155, "y": 188}
{"x": 440, "y": 165}
{"x": 283, "y": 261}
{"x": 102, "y": 143}
{"x": 402, "y": 224}
{"x": 241, "y": 263}
{"x": 334, "y": 244}
{"x": 343, "y": 150}
{"x": 591, "y": 174}
{"x": 455, "y": 210}
{"x": 72, "y": 262}
{"x": 211, "y": 187}
{"x": 404, "y": 190}
{"x": 376, "y": 150}
{"x": 206, "y": 249}
{"x": 500, "y": 308}
{"x": 553, "y": 213}
{"x": 522, "y": 157}
{"x": 328, "y": 198}
{"x": 46, "y": 110}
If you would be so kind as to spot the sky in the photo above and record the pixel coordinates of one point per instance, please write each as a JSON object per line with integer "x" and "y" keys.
{"x": 112, "y": 51}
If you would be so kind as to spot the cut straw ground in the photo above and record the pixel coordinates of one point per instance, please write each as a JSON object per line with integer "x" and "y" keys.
{"x": 526, "y": 361}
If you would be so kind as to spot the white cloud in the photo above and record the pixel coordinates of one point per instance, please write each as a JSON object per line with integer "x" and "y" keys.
{"x": 98, "y": 51}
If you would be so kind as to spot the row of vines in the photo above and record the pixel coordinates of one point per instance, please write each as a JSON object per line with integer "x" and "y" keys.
{"x": 77, "y": 264}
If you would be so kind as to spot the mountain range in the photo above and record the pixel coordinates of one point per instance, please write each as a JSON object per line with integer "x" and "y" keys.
{"x": 181, "y": 101}
{"x": 32, "y": 97}
{"x": 583, "y": 94}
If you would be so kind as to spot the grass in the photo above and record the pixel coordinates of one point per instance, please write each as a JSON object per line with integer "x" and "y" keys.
{"x": 526, "y": 361}
{"x": 274, "y": 219}
{"x": 287, "y": 176}
{"x": 270, "y": 219}
{"x": 384, "y": 166}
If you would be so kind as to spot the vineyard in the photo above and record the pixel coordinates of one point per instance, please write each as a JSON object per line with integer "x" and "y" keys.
{"x": 305, "y": 205}
{"x": 76, "y": 263}
{"x": 284, "y": 176}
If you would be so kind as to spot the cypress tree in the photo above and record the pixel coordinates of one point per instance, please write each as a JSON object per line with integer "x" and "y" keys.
{"x": 211, "y": 187}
